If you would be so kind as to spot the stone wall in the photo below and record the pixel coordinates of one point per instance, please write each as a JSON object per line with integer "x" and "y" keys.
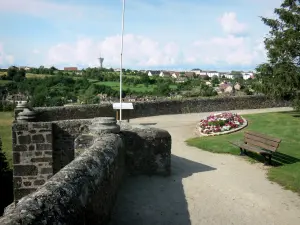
{"x": 64, "y": 134}
{"x": 82, "y": 190}
{"x": 144, "y": 109}
{"x": 32, "y": 156}
{"x": 148, "y": 150}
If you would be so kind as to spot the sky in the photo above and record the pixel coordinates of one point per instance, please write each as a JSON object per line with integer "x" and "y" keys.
{"x": 221, "y": 35}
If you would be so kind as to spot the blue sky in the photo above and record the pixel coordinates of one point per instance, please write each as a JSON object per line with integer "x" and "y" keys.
{"x": 162, "y": 34}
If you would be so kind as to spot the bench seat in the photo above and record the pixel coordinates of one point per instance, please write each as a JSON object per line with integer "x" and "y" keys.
{"x": 259, "y": 143}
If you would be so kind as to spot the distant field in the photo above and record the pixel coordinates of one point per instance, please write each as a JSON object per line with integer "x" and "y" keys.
{"x": 3, "y": 82}
{"x": 32, "y": 75}
{"x": 138, "y": 88}
{"x": 6, "y": 119}
{"x": 116, "y": 86}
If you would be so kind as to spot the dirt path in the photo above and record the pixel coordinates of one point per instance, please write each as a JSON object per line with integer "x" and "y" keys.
{"x": 204, "y": 188}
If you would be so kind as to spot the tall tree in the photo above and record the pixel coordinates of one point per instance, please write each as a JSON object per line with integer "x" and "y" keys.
{"x": 279, "y": 77}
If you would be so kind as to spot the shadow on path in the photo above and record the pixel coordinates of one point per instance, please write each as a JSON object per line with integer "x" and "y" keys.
{"x": 278, "y": 158}
{"x": 157, "y": 200}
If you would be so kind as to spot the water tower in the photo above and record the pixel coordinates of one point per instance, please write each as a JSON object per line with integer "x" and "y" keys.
{"x": 101, "y": 61}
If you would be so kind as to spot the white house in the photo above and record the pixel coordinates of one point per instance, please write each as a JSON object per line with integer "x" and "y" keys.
{"x": 175, "y": 75}
{"x": 165, "y": 74}
{"x": 247, "y": 75}
{"x": 203, "y": 73}
{"x": 212, "y": 73}
{"x": 153, "y": 73}
{"x": 229, "y": 76}
{"x": 197, "y": 72}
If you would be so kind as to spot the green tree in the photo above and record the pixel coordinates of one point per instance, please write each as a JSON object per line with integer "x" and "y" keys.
{"x": 279, "y": 76}
{"x": 162, "y": 89}
{"x": 215, "y": 81}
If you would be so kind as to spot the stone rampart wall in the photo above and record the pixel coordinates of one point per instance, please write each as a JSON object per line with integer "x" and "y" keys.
{"x": 84, "y": 189}
{"x": 145, "y": 109}
{"x": 83, "y": 192}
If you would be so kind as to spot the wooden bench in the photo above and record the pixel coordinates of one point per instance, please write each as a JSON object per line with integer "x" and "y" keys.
{"x": 259, "y": 143}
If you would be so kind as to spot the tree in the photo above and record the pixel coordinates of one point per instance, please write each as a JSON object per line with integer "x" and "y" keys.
{"x": 279, "y": 76}
{"x": 16, "y": 74}
{"x": 215, "y": 81}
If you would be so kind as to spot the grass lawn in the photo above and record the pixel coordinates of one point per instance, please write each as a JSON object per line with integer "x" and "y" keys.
{"x": 6, "y": 119}
{"x": 284, "y": 125}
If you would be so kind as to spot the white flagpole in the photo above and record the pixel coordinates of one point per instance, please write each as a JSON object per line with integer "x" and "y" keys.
{"x": 121, "y": 69}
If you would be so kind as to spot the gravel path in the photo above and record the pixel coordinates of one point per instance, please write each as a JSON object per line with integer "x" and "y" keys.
{"x": 204, "y": 188}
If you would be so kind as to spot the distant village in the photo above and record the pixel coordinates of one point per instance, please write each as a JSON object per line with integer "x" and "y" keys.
{"x": 178, "y": 74}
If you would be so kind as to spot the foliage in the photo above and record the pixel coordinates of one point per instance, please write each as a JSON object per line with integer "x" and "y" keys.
{"x": 6, "y": 177}
{"x": 15, "y": 74}
{"x": 215, "y": 81}
{"x": 280, "y": 76}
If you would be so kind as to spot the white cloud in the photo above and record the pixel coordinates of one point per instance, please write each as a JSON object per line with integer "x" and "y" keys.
{"x": 5, "y": 59}
{"x": 229, "y": 50}
{"x": 230, "y": 25}
{"x": 142, "y": 52}
{"x": 138, "y": 51}
{"x": 36, "y": 51}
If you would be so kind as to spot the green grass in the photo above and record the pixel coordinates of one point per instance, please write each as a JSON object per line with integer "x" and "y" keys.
{"x": 32, "y": 75}
{"x": 138, "y": 88}
{"x": 3, "y": 82}
{"x": 6, "y": 119}
{"x": 284, "y": 125}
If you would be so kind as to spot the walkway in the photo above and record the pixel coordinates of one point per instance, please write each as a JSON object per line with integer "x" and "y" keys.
{"x": 204, "y": 188}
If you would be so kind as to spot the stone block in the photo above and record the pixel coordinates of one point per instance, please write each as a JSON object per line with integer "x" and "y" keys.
{"x": 20, "y": 126}
{"x": 39, "y": 182}
{"x": 24, "y": 139}
{"x": 25, "y": 170}
{"x": 27, "y": 183}
{"x": 42, "y": 125}
{"x": 38, "y": 138}
{"x": 16, "y": 157}
{"x": 20, "y": 148}
{"x": 43, "y": 147}
{"x": 21, "y": 192}
{"x": 47, "y": 170}
{"x": 41, "y": 159}
{"x": 17, "y": 182}
{"x": 49, "y": 138}
{"x": 31, "y": 147}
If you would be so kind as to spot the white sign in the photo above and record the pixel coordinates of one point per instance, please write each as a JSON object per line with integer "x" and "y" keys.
{"x": 124, "y": 105}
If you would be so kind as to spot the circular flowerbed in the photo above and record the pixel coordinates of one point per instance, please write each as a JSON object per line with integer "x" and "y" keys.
{"x": 221, "y": 123}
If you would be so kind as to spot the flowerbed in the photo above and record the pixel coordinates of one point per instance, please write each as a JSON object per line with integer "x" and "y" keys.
{"x": 221, "y": 122}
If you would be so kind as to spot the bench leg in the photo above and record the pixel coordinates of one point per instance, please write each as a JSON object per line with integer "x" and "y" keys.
{"x": 267, "y": 159}
{"x": 243, "y": 152}
{"x": 270, "y": 159}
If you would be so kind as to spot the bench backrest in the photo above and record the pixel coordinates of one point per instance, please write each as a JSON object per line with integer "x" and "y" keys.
{"x": 261, "y": 140}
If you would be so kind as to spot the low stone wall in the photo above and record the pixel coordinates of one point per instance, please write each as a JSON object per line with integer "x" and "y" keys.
{"x": 145, "y": 109}
{"x": 83, "y": 191}
{"x": 64, "y": 134}
{"x": 148, "y": 150}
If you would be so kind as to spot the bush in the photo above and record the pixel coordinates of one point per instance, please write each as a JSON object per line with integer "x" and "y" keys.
{"x": 6, "y": 179}
{"x": 7, "y": 106}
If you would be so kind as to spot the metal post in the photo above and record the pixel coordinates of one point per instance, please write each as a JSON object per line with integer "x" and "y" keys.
{"x": 121, "y": 60}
